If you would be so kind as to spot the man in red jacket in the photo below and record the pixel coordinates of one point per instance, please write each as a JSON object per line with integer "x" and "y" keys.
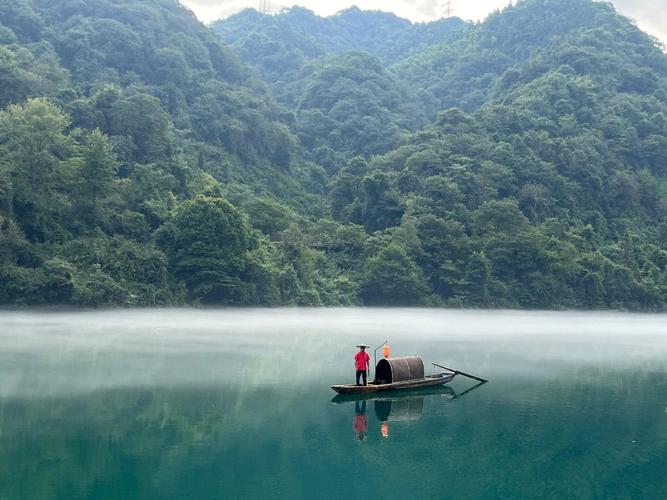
{"x": 361, "y": 362}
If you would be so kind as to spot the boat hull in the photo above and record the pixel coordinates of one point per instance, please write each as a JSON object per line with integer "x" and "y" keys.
{"x": 438, "y": 390}
{"x": 429, "y": 381}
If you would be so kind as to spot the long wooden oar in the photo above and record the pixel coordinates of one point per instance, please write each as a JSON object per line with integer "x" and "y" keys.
{"x": 460, "y": 373}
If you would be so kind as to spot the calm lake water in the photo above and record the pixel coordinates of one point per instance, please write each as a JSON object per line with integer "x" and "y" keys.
{"x": 180, "y": 404}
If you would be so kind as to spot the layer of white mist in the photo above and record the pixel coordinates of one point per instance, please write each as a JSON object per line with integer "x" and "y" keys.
{"x": 57, "y": 353}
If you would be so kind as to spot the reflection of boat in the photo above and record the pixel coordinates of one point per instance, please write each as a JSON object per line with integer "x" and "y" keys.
{"x": 397, "y": 374}
{"x": 399, "y": 409}
{"x": 394, "y": 406}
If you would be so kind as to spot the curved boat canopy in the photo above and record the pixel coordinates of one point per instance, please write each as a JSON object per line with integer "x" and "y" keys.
{"x": 391, "y": 370}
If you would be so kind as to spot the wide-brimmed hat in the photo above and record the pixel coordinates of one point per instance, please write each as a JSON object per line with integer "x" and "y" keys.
{"x": 362, "y": 345}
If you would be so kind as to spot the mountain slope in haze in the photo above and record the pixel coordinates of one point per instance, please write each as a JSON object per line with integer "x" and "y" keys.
{"x": 303, "y": 35}
{"x": 463, "y": 72}
{"x": 301, "y": 55}
{"x": 351, "y": 106}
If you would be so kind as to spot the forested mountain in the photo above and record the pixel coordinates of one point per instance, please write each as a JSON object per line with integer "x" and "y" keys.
{"x": 357, "y": 159}
{"x": 331, "y": 73}
{"x": 278, "y": 43}
{"x": 116, "y": 112}
{"x": 465, "y": 72}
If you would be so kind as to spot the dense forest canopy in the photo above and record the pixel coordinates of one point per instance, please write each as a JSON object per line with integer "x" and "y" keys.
{"x": 146, "y": 159}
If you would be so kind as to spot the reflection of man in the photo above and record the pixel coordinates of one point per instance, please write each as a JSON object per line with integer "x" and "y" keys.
{"x": 361, "y": 361}
{"x": 360, "y": 424}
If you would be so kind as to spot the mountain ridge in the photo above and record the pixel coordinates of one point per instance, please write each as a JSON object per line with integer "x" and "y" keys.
{"x": 519, "y": 162}
{"x": 350, "y": 29}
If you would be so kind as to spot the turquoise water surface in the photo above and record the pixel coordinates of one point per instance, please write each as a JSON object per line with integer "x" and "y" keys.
{"x": 179, "y": 404}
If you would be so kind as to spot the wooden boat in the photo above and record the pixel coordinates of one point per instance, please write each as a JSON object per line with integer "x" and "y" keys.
{"x": 438, "y": 390}
{"x": 397, "y": 374}
{"x": 401, "y": 385}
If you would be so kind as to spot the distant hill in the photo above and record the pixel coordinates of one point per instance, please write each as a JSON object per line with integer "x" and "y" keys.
{"x": 464, "y": 72}
{"x": 301, "y": 33}
{"x": 297, "y": 52}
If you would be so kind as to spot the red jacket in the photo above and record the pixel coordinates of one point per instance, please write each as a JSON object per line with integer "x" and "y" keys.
{"x": 361, "y": 360}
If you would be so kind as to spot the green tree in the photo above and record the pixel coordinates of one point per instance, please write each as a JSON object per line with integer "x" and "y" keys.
{"x": 98, "y": 170}
{"x": 477, "y": 280}
{"x": 34, "y": 144}
{"x": 393, "y": 279}
{"x": 382, "y": 206}
{"x": 268, "y": 215}
{"x": 142, "y": 119}
{"x": 210, "y": 249}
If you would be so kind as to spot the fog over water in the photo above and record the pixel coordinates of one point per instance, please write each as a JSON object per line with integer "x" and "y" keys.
{"x": 85, "y": 351}
{"x": 176, "y": 404}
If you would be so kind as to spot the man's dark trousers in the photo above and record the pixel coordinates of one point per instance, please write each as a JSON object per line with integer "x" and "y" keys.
{"x": 361, "y": 373}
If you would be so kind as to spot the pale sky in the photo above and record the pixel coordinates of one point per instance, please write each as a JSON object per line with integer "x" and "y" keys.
{"x": 650, "y": 15}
